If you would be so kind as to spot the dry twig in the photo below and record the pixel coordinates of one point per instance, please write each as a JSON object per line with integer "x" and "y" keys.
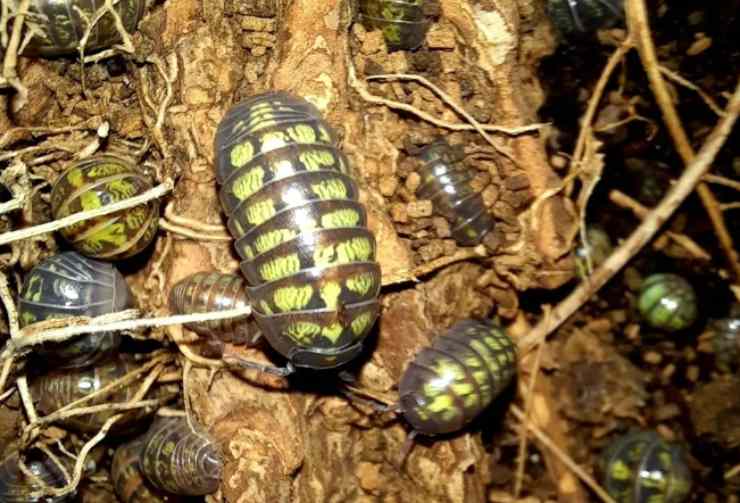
{"x": 637, "y": 22}
{"x": 644, "y": 232}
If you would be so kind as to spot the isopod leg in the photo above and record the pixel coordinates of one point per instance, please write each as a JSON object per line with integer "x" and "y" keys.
{"x": 238, "y": 361}
{"x": 406, "y": 448}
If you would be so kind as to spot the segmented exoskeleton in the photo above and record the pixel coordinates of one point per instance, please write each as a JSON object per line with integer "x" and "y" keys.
{"x": 641, "y": 467}
{"x": 16, "y": 487}
{"x": 726, "y": 339}
{"x": 308, "y": 256}
{"x": 667, "y": 302}
{"x": 450, "y": 383}
{"x": 67, "y": 285}
{"x": 97, "y": 182}
{"x": 179, "y": 460}
{"x": 62, "y": 25}
{"x": 403, "y": 23}
{"x": 448, "y": 187}
{"x": 573, "y": 17}
{"x": 212, "y": 291}
{"x": 128, "y": 481}
{"x": 58, "y": 388}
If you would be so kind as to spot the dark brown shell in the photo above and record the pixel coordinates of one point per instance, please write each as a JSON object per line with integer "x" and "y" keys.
{"x": 97, "y": 182}
{"x": 179, "y": 460}
{"x": 451, "y": 382}
{"x": 15, "y": 487}
{"x": 308, "y": 256}
{"x": 58, "y": 388}
{"x": 67, "y": 285}
{"x": 128, "y": 481}
{"x": 212, "y": 291}
{"x": 452, "y": 196}
{"x": 62, "y": 26}
{"x": 573, "y": 17}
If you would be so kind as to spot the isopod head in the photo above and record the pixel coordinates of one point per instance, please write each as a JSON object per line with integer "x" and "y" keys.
{"x": 667, "y": 302}
{"x": 641, "y": 467}
{"x": 94, "y": 183}
{"x": 67, "y": 285}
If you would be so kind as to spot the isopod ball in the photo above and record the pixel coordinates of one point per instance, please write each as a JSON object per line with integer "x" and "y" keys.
{"x": 726, "y": 339}
{"x": 450, "y": 383}
{"x": 63, "y": 23}
{"x": 67, "y": 285}
{"x": 667, "y": 302}
{"x": 97, "y": 182}
{"x": 128, "y": 481}
{"x": 641, "y": 467}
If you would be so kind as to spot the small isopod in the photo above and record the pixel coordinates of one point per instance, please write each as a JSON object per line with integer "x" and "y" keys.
{"x": 16, "y": 487}
{"x": 641, "y": 467}
{"x": 128, "y": 481}
{"x": 94, "y": 183}
{"x": 667, "y": 302}
{"x": 62, "y": 24}
{"x": 56, "y": 389}
{"x": 212, "y": 291}
{"x": 448, "y": 187}
{"x": 573, "y": 17}
{"x": 179, "y": 460}
{"x": 449, "y": 383}
{"x": 402, "y": 22}
{"x": 67, "y": 285}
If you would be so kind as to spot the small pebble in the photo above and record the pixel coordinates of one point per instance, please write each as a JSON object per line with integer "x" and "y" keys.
{"x": 652, "y": 357}
{"x": 388, "y": 185}
{"x": 399, "y": 213}
{"x": 692, "y": 373}
{"x": 413, "y": 181}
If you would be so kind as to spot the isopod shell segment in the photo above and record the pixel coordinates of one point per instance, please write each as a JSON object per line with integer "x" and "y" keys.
{"x": 450, "y": 383}
{"x": 16, "y": 487}
{"x": 403, "y": 23}
{"x": 307, "y": 255}
{"x": 726, "y": 339}
{"x": 573, "y": 17}
{"x": 62, "y": 25}
{"x": 58, "y": 388}
{"x": 96, "y": 182}
{"x": 67, "y": 285}
{"x": 641, "y": 467}
{"x": 212, "y": 291}
{"x": 179, "y": 460}
{"x": 128, "y": 481}
{"x": 667, "y": 302}
{"x": 452, "y": 196}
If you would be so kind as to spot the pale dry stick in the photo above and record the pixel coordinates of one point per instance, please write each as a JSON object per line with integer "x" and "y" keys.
{"x": 10, "y": 74}
{"x": 186, "y": 368}
{"x": 729, "y": 206}
{"x": 637, "y": 22}
{"x": 522, "y": 454}
{"x": 446, "y": 98}
{"x": 688, "y": 244}
{"x": 80, "y": 464}
{"x": 7, "y": 367}
{"x": 377, "y": 100}
{"x": 4, "y": 18}
{"x": 593, "y": 102}
{"x": 12, "y": 205}
{"x": 187, "y": 233}
{"x": 9, "y": 304}
{"x": 196, "y": 225}
{"x": 62, "y": 334}
{"x": 721, "y": 180}
{"x": 154, "y": 193}
{"x": 562, "y": 455}
{"x": 422, "y": 270}
{"x": 690, "y": 85}
{"x": 7, "y": 393}
{"x": 732, "y": 472}
{"x": 26, "y": 400}
{"x": 643, "y": 233}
